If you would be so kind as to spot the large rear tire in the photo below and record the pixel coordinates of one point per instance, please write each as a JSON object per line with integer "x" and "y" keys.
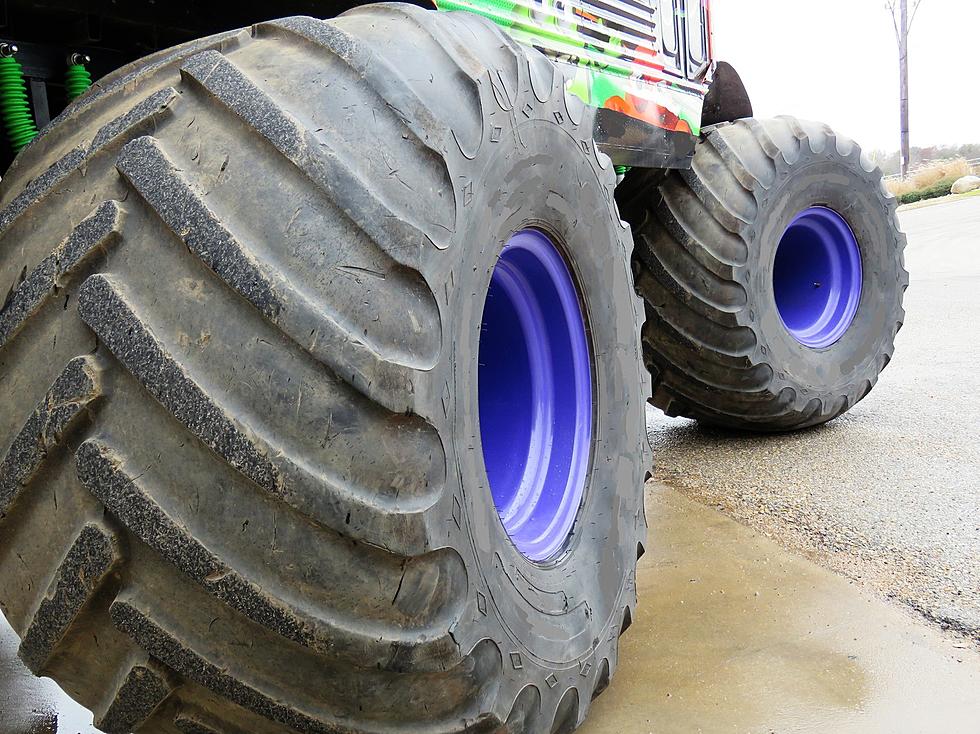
{"x": 772, "y": 273}
{"x": 245, "y": 482}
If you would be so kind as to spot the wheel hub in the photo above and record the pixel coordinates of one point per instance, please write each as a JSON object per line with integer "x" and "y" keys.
{"x": 535, "y": 395}
{"x": 817, "y": 277}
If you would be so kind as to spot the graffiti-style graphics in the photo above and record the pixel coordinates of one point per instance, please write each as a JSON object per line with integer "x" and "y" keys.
{"x": 615, "y": 49}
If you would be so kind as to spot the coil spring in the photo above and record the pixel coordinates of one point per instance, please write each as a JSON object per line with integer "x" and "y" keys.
{"x": 77, "y": 80}
{"x": 14, "y": 108}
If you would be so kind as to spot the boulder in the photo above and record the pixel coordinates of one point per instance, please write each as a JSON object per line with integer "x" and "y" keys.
{"x": 965, "y": 184}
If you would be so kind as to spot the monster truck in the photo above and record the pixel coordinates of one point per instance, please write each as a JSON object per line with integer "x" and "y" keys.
{"x": 325, "y": 348}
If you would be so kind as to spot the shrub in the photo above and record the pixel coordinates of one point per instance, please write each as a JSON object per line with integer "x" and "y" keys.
{"x": 939, "y": 188}
{"x": 929, "y": 182}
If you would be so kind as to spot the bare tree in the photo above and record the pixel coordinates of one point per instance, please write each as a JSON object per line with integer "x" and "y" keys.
{"x": 902, "y": 21}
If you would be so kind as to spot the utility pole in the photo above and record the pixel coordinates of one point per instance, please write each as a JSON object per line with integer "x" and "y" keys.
{"x": 903, "y": 84}
{"x": 903, "y": 23}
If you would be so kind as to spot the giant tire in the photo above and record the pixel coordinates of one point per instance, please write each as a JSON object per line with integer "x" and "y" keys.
{"x": 242, "y": 487}
{"x": 706, "y": 243}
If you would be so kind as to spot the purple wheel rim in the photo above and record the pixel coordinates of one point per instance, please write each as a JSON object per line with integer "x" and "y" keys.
{"x": 817, "y": 277}
{"x": 535, "y": 395}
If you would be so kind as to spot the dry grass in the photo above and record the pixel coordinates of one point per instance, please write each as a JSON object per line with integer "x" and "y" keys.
{"x": 932, "y": 174}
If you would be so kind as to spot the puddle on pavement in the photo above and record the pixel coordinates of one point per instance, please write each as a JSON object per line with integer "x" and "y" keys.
{"x": 733, "y": 635}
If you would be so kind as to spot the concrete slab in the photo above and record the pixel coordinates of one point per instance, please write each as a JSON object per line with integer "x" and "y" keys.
{"x": 734, "y": 634}
{"x": 30, "y": 705}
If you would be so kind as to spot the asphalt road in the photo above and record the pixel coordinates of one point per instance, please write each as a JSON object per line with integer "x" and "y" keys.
{"x": 888, "y": 494}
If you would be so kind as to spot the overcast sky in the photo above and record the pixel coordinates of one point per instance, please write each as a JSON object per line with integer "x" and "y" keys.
{"x": 837, "y": 61}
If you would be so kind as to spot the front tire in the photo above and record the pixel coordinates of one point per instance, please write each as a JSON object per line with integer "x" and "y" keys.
{"x": 245, "y": 486}
{"x": 772, "y": 273}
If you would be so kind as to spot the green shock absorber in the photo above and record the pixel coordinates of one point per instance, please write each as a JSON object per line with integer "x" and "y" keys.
{"x": 77, "y": 78}
{"x": 18, "y": 121}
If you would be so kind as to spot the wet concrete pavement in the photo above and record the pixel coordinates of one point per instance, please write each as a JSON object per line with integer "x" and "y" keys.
{"x": 30, "y": 705}
{"x": 734, "y": 634}
{"x": 889, "y": 494}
